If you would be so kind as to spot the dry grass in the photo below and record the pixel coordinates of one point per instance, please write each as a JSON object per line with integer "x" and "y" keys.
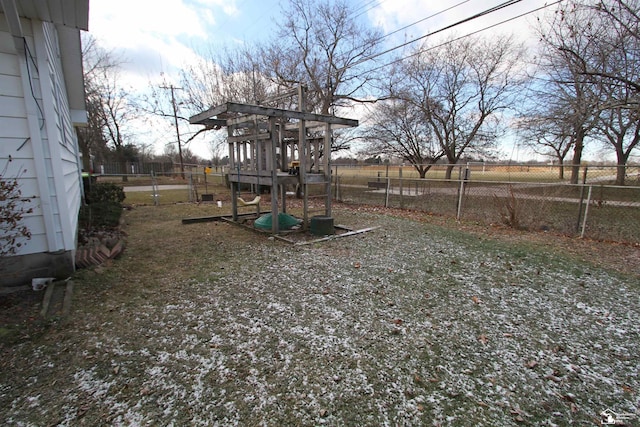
{"x": 412, "y": 324}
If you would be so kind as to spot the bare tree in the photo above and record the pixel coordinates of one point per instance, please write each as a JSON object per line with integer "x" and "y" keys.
{"x": 321, "y": 44}
{"x": 461, "y": 86}
{"x": 590, "y": 59}
{"x": 561, "y": 86}
{"x": 621, "y": 20}
{"x": 548, "y": 135}
{"x": 225, "y": 74}
{"x": 616, "y": 71}
{"x": 398, "y": 128}
{"x": 109, "y": 105}
{"x": 619, "y": 126}
{"x": 91, "y": 137}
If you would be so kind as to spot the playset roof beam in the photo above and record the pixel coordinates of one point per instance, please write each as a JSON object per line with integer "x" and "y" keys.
{"x": 233, "y": 107}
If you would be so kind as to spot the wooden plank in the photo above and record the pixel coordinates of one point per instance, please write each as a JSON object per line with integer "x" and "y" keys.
{"x": 214, "y": 123}
{"x": 337, "y": 236}
{"x": 260, "y": 110}
{"x": 251, "y": 137}
{"x": 284, "y": 239}
{"x": 66, "y": 304}
{"x": 196, "y": 220}
{"x": 207, "y": 114}
{"x": 244, "y": 120}
{"x": 280, "y": 96}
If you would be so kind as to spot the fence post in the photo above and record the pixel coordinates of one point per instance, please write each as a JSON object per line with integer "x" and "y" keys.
{"x": 400, "y": 178}
{"x": 154, "y": 189}
{"x": 586, "y": 212}
{"x": 336, "y": 183}
{"x": 461, "y": 192}
{"x": 584, "y": 181}
{"x": 386, "y": 198}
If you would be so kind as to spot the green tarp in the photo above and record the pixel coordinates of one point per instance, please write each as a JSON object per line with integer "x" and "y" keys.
{"x": 285, "y": 222}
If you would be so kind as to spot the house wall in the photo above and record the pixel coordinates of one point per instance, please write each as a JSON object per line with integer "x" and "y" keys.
{"x": 38, "y": 146}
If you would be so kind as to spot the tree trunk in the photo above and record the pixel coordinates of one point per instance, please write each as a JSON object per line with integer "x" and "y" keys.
{"x": 560, "y": 168}
{"x": 577, "y": 156}
{"x": 620, "y": 172}
{"x": 448, "y": 172}
{"x": 422, "y": 171}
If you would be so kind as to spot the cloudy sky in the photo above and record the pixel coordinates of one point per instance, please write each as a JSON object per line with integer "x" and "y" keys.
{"x": 156, "y": 38}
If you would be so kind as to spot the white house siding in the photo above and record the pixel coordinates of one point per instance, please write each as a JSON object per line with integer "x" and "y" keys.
{"x": 62, "y": 141}
{"x": 16, "y": 150}
{"x": 39, "y": 144}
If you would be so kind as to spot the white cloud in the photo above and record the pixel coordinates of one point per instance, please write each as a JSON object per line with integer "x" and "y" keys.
{"x": 394, "y": 15}
{"x": 229, "y": 7}
{"x": 123, "y": 21}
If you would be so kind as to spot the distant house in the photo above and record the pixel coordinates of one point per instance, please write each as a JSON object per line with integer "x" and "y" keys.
{"x": 41, "y": 104}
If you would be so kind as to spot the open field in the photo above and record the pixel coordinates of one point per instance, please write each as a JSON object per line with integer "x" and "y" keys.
{"x": 489, "y": 172}
{"x": 420, "y": 322}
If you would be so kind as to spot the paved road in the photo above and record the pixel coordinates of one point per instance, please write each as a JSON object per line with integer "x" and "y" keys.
{"x": 496, "y": 190}
{"x": 137, "y": 188}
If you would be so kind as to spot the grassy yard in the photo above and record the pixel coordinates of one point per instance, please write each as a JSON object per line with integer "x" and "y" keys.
{"x": 419, "y": 322}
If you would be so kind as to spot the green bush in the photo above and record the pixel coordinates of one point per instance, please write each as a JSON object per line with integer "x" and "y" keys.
{"x": 104, "y": 192}
{"x": 103, "y": 206}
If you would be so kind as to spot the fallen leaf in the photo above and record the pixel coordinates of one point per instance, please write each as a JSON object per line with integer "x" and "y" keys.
{"x": 531, "y": 364}
{"x": 553, "y": 378}
{"x": 397, "y": 321}
{"x": 357, "y": 265}
{"x": 116, "y": 370}
{"x": 507, "y": 335}
{"x": 475, "y": 299}
{"x": 483, "y": 339}
{"x": 420, "y": 407}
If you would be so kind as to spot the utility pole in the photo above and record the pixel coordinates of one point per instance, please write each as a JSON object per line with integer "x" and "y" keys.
{"x": 175, "y": 121}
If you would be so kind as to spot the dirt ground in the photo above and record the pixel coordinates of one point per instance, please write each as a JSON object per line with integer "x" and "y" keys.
{"x": 423, "y": 321}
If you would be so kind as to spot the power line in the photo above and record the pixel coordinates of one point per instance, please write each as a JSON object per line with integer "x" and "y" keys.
{"x": 448, "y": 27}
{"x": 377, "y": 3}
{"x": 421, "y": 20}
{"x": 421, "y": 51}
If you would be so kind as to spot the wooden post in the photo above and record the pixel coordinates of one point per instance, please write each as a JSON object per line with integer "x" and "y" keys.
{"x": 274, "y": 176}
{"x": 303, "y": 153}
{"x": 233, "y": 168}
{"x": 401, "y": 187}
{"x": 386, "y": 198}
{"x": 326, "y": 152}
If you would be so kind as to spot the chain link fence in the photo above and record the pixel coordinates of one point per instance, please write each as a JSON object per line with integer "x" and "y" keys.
{"x": 532, "y": 197}
{"x": 519, "y": 196}
{"x": 171, "y": 187}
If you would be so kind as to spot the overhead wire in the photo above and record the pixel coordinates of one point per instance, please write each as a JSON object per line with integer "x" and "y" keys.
{"x": 377, "y": 3}
{"x": 429, "y": 34}
{"x": 421, "y": 20}
{"x": 421, "y": 51}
